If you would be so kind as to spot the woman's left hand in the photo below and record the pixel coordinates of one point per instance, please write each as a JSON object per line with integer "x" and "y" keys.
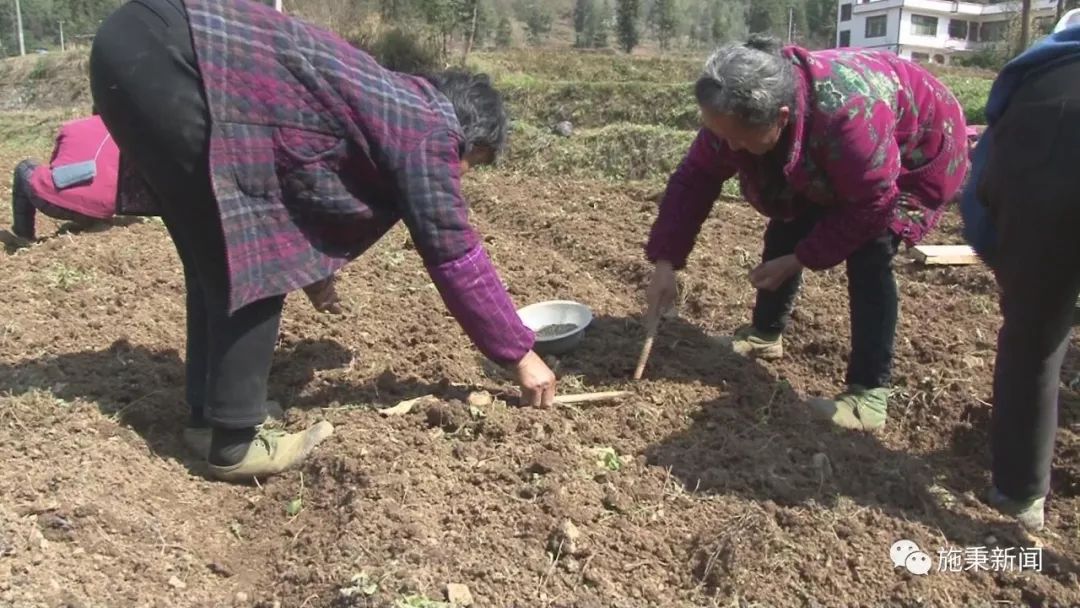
{"x": 770, "y": 275}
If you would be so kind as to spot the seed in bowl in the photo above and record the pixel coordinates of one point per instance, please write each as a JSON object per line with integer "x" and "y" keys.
{"x": 549, "y": 331}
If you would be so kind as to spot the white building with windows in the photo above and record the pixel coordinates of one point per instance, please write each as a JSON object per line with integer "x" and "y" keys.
{"x": 933, "y": 30}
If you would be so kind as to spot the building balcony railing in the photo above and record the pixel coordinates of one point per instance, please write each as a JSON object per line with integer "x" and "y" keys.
{"x": 951, "y": 8}
{"x": 945, "y": 44}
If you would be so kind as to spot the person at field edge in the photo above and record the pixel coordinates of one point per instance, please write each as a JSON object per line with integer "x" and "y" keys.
{"x": 91, "y": 202}
{"x": 1021, "y": 211}
{"x": 276, "y": 153}
{"x": 88, "y": 202}
{"x": 848, "y": 153}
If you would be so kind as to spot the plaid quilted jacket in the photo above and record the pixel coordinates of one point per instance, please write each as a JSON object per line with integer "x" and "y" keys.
{"x": 316, "y": 151}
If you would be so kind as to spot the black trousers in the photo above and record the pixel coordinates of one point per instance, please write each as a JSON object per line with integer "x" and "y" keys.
{"x": 147, "y": 88}
{"x": 871, "y": 290}
{"x": 1032, "y": 187}
{"x": 25, "y": 205}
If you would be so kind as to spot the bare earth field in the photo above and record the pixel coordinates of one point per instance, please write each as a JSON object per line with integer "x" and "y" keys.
{"x": 711, "y": 486}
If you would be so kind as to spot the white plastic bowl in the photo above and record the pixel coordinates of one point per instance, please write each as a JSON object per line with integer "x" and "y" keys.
{"x": 557, "y": 312}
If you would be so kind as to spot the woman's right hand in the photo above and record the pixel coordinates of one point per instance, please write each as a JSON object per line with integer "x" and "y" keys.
{"x": 536, "y": 380}
{"x": 660, "y": 295}
{"x": 324, "y": 297}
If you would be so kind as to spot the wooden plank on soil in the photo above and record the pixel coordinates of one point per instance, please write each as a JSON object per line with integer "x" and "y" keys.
{"x": 953, "y": 255}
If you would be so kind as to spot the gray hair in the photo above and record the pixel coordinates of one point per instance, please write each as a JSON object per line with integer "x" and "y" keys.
{"x": 750, "y": 81}
{"x": 478, "y": 106}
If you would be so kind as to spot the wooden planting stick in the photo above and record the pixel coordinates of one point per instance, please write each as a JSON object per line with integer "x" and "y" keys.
{"x": 652, "y": 323}
{"x": 574, "y": 399}
{"x": 590, "y": 397}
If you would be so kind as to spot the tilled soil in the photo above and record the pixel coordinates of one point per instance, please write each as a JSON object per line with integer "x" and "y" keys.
{"x": 711, "y": 486}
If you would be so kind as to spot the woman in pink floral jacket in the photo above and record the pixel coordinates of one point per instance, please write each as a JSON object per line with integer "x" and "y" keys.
{"x": 848, "y": 152}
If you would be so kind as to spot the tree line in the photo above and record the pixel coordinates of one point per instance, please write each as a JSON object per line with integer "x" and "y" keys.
{"x": 469, "y": 24}
{"x": 702, "y": 23}
{"x": 43, "y": 19}
{"x": 625, "y": 24}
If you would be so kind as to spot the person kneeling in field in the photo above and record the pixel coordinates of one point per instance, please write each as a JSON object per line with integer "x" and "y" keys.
{"x": 1021, "y": 212}
{"x": 848, "y": 153}
{"x": 78, "y": 184}
{"x": 277, "y": 153}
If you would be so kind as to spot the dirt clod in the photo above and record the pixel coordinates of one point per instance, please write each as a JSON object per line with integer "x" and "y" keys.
{"x": 617, "y": 501}
{"x": 566, "y": 540}
{"x": 480, "y": 399}
{"x": 220, "y": 569}
{"x": 450, "y": 416}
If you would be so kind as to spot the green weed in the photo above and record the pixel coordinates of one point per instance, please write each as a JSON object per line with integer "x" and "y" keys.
{"x": 66, "y": 278}
{"x": 609, "y": 459}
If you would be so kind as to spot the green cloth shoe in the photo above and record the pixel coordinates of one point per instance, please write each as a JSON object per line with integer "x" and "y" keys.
{"x": 1030, "y": 513}
{"x": 858, "y": 408}
{"x": 197, "y": 438}
{"x": 274, "y": 451}
{"x": 751, "y": 343}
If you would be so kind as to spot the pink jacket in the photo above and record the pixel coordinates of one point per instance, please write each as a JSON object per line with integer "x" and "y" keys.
{"x": 79, "y": 141}
{"x": 878, "y": 144}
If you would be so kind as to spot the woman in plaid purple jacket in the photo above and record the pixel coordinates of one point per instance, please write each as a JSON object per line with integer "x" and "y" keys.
{"x": 276, "y": 153}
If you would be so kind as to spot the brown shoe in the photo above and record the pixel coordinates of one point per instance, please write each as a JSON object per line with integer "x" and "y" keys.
{"x": 273, "y": 451}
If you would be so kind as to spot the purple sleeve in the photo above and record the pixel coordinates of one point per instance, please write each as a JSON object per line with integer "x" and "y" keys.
{"x": 437, "y": 216}
{"x": 863, "y": 163}
{"x": 691, "y": 192}
{"x": 473, "y": 293}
